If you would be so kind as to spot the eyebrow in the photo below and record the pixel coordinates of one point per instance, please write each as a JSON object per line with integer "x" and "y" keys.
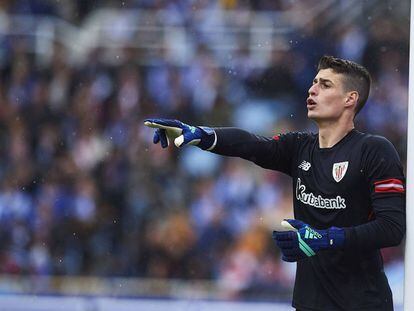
{"x": 322, "y": 80}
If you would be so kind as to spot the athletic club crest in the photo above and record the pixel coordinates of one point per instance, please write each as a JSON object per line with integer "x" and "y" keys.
{"x": 339, "y": 170}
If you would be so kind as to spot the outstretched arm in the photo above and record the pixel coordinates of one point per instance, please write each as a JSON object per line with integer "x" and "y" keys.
{"x": 235, "y": 142}
{"x": 273, "y": 153}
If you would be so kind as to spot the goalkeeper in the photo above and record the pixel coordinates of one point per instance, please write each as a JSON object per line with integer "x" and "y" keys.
{"x": 348, "y": 186}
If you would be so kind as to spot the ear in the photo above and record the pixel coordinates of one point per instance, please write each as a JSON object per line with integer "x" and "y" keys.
{"x": 351, "y": 99}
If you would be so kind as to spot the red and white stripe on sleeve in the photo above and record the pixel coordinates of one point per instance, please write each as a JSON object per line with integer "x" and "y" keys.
{"x": 389, "y": 186}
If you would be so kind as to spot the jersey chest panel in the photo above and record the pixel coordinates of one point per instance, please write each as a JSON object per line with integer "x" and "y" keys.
{"x": 329, "y": 185}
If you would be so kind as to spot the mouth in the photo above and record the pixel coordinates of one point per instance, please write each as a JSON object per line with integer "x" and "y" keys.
{"x": 310, "y": 103}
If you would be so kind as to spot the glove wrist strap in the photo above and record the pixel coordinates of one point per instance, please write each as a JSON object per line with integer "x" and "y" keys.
{"x": 336, "y": 237}
{"x": 208, "y": 139}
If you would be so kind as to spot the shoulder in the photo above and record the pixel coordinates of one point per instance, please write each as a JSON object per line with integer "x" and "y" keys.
{"x": 296, "y": 136}
{"x": 376, "y": 145}
{"x": 376, "y": 142}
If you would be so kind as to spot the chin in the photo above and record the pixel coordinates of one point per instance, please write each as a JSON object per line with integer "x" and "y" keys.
{"x": 312, "y": 115}
{"x": 315, "y": 117}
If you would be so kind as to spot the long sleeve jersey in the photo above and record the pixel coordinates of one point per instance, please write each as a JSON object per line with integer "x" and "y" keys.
{"x": 358, "y": 185}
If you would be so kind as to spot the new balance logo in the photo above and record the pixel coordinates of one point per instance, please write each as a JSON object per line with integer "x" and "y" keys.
{"x": 305, "y": 166}
{"x": 312, "y": 234}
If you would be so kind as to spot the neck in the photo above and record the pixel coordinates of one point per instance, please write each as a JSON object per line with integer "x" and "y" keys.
{"x": 331, "y": 133}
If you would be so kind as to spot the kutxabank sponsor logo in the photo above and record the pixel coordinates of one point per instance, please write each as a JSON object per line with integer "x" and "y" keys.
{"x": 317, "y": 201}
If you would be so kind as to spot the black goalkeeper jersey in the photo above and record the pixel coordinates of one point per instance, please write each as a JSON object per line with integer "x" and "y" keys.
{"x": 357, "y": 184}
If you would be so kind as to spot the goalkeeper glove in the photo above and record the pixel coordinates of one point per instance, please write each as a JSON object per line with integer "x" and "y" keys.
{"x": 181, "y": 133}
{"x": 302, "y": 241}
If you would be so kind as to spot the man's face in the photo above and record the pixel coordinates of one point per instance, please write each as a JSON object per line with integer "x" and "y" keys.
{"x": 326, "y": 100}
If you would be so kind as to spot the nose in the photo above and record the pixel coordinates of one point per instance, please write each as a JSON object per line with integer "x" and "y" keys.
{"x": 313, "y": 89}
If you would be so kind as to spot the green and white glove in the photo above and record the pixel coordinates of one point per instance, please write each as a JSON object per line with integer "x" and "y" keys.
{"x": 302, "y": 241}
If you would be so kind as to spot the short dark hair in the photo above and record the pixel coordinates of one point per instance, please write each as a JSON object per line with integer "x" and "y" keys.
{"x": 356, "y": 77}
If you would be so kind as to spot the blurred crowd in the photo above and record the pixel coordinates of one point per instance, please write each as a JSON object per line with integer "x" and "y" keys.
{"x": 83, "y": 191}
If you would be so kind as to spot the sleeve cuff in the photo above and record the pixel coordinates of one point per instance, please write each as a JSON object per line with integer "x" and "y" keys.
{"x": 214, "y": 143}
